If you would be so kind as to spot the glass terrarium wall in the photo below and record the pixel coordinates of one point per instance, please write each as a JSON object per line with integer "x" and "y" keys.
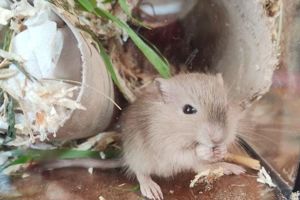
{"x": 197, "y": 36}
{"x": 254, "y": 44}
{"x": 273, "y": 127}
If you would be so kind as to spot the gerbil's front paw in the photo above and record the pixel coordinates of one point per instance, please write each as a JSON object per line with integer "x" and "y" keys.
{"x": 204, "y": 152}
{"x": 219, "y": 152}
{"x": 229, "y": 168}
{"x": 150, "y": 189}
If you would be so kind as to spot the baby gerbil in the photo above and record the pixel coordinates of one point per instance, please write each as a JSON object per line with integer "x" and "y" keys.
{"x": 179, "y": 124}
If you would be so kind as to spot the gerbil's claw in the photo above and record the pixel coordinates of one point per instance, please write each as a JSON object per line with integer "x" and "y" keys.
{"x": 229, "y": 168}
{"x": 220, "y": 151}
{"x": 149, "y": 188}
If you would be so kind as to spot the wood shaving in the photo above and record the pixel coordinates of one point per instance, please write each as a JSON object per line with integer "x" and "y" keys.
{"x": 243, "y": 161}
{"x": 7, "y": 73}
{"x": 91, "y": 170}
{"x": 20, "y": 10}
{"x": 105, "y": 6}
{"x": 45, "y": 106}
{"x": 121, "y": 185}
{"x": 272, "y": 7}
{"x": 5, "y": 15}
{"x": 99, "y": 142}
{"x": 264, "y": 178}
{"x": 295, "y": 195}
{"x": 25, "y": 175}
{"x": 101, "y": 198}
{"x": 207, "y": 177}
{"x": 102, "y": 155}
{"x": 237, "y": 185}
{"x": 103, "y": 28}
{"x": 198, "y": 176}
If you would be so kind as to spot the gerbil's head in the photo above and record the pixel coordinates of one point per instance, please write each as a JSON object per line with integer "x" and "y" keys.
{"x": 194, "y": 108}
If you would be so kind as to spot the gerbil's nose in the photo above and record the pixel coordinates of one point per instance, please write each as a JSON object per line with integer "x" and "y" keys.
{"x": 216, "y": 140}
{"x": 216, "y": 136}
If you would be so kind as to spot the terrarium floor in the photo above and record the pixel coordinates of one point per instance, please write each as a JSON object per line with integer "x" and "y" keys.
{"x": 79, "y": 184}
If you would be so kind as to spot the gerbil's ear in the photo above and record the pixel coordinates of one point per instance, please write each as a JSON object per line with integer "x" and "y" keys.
{"x": 163, "y": 87}
{"x": 220, "y": 78}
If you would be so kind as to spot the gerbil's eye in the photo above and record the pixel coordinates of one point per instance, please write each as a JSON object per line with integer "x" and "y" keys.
{"x": 188, "y": 109}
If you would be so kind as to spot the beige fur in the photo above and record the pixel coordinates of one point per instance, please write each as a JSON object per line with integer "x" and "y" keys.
{"x": 159, "y": 139}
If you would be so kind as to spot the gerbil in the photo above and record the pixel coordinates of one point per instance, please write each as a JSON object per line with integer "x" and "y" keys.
{"x": 178, "y": 124}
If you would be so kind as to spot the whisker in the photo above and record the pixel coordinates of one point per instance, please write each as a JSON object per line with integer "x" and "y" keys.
{"x": 251, "y": 123}
{"x": 260, "y": 136}
{"x": 268, "y": 131}
{"x": 252, "y": 139}
{"x": 238, "y": 147}
{"x": 268, "y": 126}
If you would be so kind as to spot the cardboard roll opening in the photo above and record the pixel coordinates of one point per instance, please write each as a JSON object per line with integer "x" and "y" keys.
{"x": 80, "y": 62}
{"x": 229, "y": 36}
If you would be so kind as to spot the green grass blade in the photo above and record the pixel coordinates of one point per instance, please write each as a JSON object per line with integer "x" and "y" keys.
{"x": 154, "y": 48}
{"x": 159, "y": 64}
{"x": 11, "y": 131}
{"x": 123, "y": 4}
{"x": 72, "y": 154}
{"x": 37, "y": 154}
{"x": 29, "y": 155}
{"x": 19, "y": 160}
{"x": 88, "y": 5}
{"x": 8, "y": 33}
{"x": 108, "y": 65}
{"x": 135, "y": 188}
{"x": 105, "y": 57}
{"x": 112, "y": 152}
{"x": 157, "y": 61}
{"x": 1, "y": 97}
{"x": 107, "y": 1}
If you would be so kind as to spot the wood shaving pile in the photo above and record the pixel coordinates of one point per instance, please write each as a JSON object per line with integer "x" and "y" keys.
{"x": 207, "y": 177}
{"x": 33, "y": 55}
{"x": 103, "y": 28}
